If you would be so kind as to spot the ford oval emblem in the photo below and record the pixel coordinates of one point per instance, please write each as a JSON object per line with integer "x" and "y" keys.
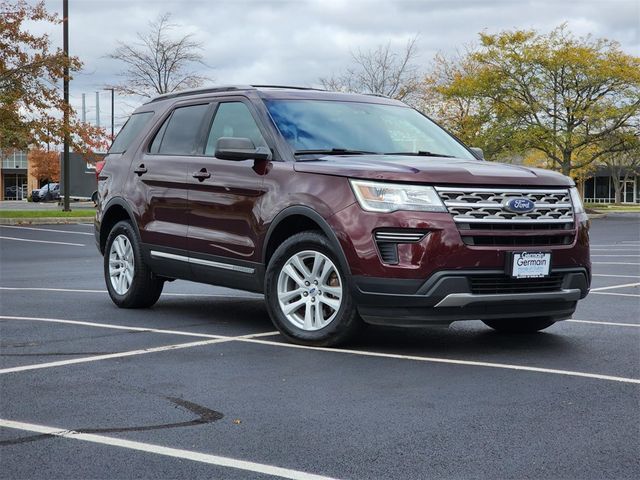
{"x": 519, "y": 205}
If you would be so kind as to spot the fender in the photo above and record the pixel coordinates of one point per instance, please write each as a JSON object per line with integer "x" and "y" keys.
{"x": 121, "y": 202}
{"x": 317, "y": 218}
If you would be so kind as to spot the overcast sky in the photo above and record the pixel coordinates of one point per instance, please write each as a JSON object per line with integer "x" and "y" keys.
{"x": 294, "y": 42}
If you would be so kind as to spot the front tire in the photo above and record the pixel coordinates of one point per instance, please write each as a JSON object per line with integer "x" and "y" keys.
{"x": 307, "y": 293}
{"x": 129, "y": 281}
{"x": 520, "y": 325}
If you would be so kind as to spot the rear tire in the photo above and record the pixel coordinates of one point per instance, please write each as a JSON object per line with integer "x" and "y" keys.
{"x": 129, "y": 281}
{"x": 520, "y": 325}
{"x": 308, "y": 295}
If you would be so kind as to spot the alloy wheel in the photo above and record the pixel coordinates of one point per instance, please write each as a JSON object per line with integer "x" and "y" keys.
{"x": 310, "y": 290}
{"x": 121, "y": 264}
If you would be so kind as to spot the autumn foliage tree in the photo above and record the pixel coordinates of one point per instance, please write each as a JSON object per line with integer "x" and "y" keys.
{"x": 44, "y": 165}
{"x": 31, "y": 72}
{"x": 553, "y": 93}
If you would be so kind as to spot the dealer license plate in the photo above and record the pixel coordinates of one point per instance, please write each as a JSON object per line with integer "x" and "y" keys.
{"x": 530, "y": 264}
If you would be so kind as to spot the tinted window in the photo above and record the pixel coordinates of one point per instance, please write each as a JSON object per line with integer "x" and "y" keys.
{"x": 183, "y": 128}
{"x": 130, "y": 131}
{"x": 233, "y": 119}
{"x": 325, "y": 125}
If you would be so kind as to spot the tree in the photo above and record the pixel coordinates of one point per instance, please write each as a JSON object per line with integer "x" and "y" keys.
{"x": 555, "y": 93}
{"x": 450, "y": 101}
{"x": 380, "y": 71}
{"x": 44, "y": 165}
{"x": 159, "y": 62}
{"x": 30, "y": 72}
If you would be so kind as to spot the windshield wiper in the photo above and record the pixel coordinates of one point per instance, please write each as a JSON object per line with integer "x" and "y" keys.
{"x": 334, "y": 151}
{"x": 421, "y": 153}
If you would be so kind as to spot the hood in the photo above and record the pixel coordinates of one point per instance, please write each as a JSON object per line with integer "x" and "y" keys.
{"x": 431, "y": 170}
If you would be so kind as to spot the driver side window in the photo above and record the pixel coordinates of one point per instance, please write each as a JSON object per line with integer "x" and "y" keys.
{"x": 233, "y": 119}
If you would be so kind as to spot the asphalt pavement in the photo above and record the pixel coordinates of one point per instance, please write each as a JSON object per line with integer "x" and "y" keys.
{"x": 201, "y": 385}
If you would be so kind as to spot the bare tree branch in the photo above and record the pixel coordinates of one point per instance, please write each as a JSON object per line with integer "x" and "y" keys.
{"x": 159, "y": 62}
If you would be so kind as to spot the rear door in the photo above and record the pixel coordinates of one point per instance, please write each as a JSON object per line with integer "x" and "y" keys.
{"x": 224, "y": 200}
{"x": 160, "y": 174}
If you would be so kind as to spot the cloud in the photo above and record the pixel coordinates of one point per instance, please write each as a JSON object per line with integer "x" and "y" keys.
{"x": 297, "y": 42}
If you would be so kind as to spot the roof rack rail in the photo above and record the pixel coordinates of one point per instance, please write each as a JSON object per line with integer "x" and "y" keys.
{"x": 289, "y": 87}
{"x": 197, "y": 91}
{"x": 377, "y": 95}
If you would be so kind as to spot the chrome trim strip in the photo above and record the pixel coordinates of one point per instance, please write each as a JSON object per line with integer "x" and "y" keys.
{"x": 523, "y": 190}
{"x": 199, "y": 261}
{"x": 545, "y": 206}
{"x": 464, "y": 299}
{"x": 461, "y": 219}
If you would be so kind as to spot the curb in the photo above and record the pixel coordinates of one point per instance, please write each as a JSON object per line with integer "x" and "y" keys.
{"x": 46, "y": 220}
{"x": 596, "y": 215}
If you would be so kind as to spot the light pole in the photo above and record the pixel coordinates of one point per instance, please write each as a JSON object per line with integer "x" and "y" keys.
{"x": 65, "y": 87}
{"x": 113, "y": 94}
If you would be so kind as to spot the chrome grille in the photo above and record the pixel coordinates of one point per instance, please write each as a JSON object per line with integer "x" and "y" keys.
{"x": 485, "y": 205}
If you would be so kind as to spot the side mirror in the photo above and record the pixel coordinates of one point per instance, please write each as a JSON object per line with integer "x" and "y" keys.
{"x": 239, "y": 148}
{"x": 479, "y": 154}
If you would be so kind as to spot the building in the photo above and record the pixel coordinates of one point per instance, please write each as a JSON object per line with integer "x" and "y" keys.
{"x": 600, "y": 188}
{"x": 15, "y": 181}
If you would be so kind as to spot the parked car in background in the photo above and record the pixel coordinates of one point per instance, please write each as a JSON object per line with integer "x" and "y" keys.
{"x": 50, "y": 192}
{"x": 341, "y": 209}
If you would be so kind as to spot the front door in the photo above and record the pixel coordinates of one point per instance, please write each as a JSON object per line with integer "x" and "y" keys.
{"x": 224, "y": 200}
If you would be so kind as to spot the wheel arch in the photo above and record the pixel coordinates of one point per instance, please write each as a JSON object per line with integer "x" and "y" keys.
{"x": 115, "y": 211}
{"x": 296, "y": 219}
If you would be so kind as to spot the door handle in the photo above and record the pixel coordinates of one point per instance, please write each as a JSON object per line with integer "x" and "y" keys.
{"x": 140, "y": 169}
{"x": 202, "y": 174}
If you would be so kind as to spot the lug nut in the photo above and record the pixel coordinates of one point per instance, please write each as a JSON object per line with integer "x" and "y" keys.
{"x": 315, "y": 282}
{"x": 305, "y": 294}
{"x": 313, "y": 299}
{"x": 307, "y": 284}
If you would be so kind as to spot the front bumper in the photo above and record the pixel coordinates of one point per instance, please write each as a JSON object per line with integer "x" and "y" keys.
{"x": 448, "y": 296}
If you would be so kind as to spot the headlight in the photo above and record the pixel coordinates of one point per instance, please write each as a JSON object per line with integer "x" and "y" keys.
{"x": 389, "y": 197}
{"x": 576, "y": 200}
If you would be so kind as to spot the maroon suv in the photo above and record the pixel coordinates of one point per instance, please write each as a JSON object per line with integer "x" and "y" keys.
{"x": 340, "y": 208}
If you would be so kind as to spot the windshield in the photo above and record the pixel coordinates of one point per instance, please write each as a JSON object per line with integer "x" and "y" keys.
{"x": 326, "y": 126}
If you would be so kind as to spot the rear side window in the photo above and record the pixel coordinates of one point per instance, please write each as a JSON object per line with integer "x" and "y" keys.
{"x": 180, "y": 132}
{"x": 233, "y": 119}
{"x": 130, "y": 131}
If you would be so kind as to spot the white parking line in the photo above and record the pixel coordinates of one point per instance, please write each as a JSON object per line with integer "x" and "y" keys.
{"x": 617, "y": 276}
{"x": 450, "y": 361}
{"x": 43, "y": 241}
{"x": 78, "y": 290}
{"x": 618, "y": 294}
{"x": 254, "y": 339}
{"x": 616, "y": 324}
{"x": 95, "y": 358}
{"x": 165, "y": 451}
{"x": 626, "y": 285}
{"x": 46, "y": 230}
{"x": 614, "y": 263}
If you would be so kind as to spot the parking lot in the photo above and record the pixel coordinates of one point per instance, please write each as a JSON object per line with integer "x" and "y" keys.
{"x": 201, "y": 386}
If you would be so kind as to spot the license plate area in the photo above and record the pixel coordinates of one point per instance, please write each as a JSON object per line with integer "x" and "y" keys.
{"x": 529, "y": 264}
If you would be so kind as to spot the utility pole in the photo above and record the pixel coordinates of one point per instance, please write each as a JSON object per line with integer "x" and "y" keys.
{"x": 97, "y": 109}
{"x": 65, "y": 154}
{"x": 84, "y": 108}
{"x": 112, "y": 114}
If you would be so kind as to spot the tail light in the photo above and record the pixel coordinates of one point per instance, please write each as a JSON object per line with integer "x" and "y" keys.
{"x": 99, "y": 166}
